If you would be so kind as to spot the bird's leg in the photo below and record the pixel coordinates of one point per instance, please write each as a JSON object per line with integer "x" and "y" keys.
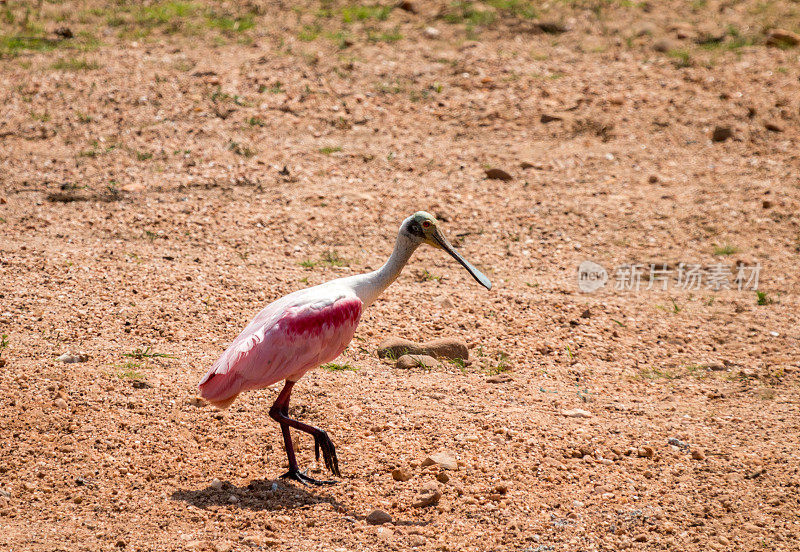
{"x": 280, "y": 413}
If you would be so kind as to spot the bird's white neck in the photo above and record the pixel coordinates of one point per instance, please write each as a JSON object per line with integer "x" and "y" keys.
{"x": 370, "y": 285}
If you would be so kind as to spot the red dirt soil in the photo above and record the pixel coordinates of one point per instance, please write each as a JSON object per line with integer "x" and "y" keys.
{"x": 174, "y": 167}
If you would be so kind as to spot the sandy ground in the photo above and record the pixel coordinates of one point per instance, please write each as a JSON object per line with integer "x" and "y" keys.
{"x": 174, "y": 167}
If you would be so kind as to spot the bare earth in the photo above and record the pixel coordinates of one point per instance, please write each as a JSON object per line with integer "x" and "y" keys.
{"x": 174, "y": 167}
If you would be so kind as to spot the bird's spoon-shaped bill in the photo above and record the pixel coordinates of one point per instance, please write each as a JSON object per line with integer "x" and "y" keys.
{"x": 440, "y": 241}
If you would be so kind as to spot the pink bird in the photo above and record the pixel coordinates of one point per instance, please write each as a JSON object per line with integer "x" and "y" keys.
{"x": 308, "y": 328}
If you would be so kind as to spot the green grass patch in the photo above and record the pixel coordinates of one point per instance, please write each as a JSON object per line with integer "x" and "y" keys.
{"x": 517, "y": 8}
{"x": 502, "y": 365}
{"x": 426, "y": 276}
{"x": 147, "y": 352}
{"x": 723, "y": 250}
{"x": 762, "y": 299}
{"x": 457, "y": 362}
{"x": 240, "y": 149}
{"x": 682, "y": 58}
{"x": 276, "y": 88}
{"x": 653, "y": 373}
{"x": 74, "y": 64}
{"x": 332, "y": 258}
{"x": 336, "y": 367}
{"x": 309, "y": 33}
{"x": 218, "y": 96}
{"x": 130, "y": 370}
{"x": 330, "y": 149}
{"x": 353, "y": 13}
{"x": 135, "y": 20}
{"x": 392, "y": 35}
{"x": 11, "y": 46}
{"x": 467, "y": 13}
{"x": 228, "y": 24}
{"x": 340, "y": 38}
{"x": 42, "y": 117}
{"x": 96, "y": 150}
{"x": 164, "y": 13}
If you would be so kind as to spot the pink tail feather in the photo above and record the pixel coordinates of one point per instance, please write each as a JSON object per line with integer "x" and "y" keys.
{"x": 220, "y": 389}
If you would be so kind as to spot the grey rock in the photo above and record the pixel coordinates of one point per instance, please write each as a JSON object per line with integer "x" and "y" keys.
{"x": 450, "y": 348}
{"x": 378, "y": 517}
{"x": 416, "y": 361}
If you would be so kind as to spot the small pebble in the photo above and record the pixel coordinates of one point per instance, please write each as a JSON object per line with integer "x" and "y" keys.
{"x": 547, "y": 118}
{"x": 71, "y": 358}
{"x": 216, "y": 484}
{"x": 782, "y": 38}
{"x": 772, "y": 126}
{"x": 498, "y": 174}
{"x": 677, "y": 442}
{"x": 408, "y": 6}
{"x": 429, "y": 495}
{"x": 721, "y": 133}
{"x": 196, "y": 401}
{"x": 443, "y": 459}
{"x": 500, "y": 378}
{"x": 378, "y": 517}
{"x": 663, "y": 45}
{"x": 576, "y": 413}
{"x": 399, "y": 474}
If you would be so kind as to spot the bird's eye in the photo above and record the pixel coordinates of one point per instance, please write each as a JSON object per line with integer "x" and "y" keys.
{"x": 426, "y": 224}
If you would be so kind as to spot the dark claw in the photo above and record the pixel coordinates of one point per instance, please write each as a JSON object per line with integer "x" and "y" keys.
{"x": 301, "y": 477}
{"x": 322, "y": 441}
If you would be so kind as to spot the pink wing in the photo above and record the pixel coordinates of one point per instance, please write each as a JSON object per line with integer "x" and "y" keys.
{"x": 287, "y": 339}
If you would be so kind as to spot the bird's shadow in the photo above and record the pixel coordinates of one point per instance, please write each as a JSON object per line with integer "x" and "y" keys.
{"x": 270, "y": 495}
{"x": 264, "y": 494}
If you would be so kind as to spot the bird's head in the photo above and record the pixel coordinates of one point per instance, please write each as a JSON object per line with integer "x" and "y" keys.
{"x": 422, "y": 227}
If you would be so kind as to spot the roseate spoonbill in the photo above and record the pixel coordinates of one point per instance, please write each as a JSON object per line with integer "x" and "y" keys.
{"x": 307, "y": 328}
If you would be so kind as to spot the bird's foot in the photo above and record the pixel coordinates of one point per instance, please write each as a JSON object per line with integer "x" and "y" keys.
{"x": 301, "y": 477}
{"x": 323, "y": 442}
